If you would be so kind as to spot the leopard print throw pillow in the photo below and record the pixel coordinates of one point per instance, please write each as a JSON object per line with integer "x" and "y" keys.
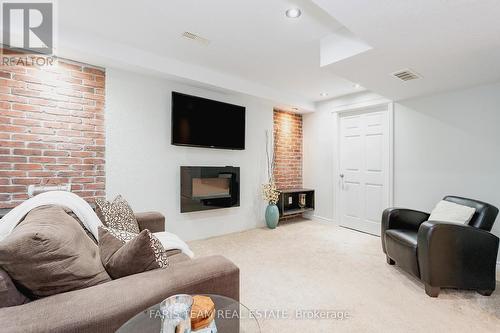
{"x": 117, "y": 214}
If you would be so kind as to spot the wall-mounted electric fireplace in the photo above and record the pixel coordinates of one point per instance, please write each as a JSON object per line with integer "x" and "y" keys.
{"x": 204, "y": 188}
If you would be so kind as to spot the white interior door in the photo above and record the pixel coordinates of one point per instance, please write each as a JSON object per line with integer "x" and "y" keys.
{"x": 364, "y": 163}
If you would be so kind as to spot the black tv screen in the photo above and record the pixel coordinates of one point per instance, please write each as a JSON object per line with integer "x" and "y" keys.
{"x": 202, "y": 122}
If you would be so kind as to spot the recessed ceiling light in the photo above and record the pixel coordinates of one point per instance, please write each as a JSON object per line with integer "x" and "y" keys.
{"x": 323, "y": 94}
{"x": 293, "y": 13}
{"x": 356, "y": 86}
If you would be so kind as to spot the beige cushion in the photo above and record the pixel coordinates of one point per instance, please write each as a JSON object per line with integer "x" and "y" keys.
{"x": 124, "y": 253}
{"x": 117, "y": 214}
{"x": 446, "y": 211}
{"x": 49, "y": 253}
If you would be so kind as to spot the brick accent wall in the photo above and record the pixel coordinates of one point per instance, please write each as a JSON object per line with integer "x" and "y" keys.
{"x": 287, "y": 149}
{"x": 51, "y": 129}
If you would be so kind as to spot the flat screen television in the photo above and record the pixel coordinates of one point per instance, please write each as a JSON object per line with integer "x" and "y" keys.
{"x": 201, "y": 122}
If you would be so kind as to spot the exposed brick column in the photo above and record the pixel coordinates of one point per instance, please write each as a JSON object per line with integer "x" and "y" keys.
{"x": 288, "y": 149}
{"x": 51, "y": 129}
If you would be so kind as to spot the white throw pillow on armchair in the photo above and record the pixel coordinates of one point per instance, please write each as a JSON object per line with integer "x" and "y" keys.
{"x": 447, "y": 211}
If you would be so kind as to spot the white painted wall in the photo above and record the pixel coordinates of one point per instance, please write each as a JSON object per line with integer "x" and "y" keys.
{"x": 448, "y": 144}
{"x": 143, "y": 166}
{"x": 443, "y": 144}
{"x": 317, "y": 164}
{"x": 319, "y": 135}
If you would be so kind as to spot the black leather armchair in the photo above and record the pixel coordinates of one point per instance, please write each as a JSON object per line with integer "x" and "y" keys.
{"x": 443, "y": 255}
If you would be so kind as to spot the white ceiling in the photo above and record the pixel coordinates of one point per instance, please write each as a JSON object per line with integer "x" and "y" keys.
{"x": 451, "y": 43}
{"x": 249, "y": 40}
{"x": 254, "y": 49}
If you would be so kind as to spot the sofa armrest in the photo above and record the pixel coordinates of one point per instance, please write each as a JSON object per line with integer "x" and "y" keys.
{"x": 153, "y": 221}
{"x": 457, "y": 255}
{"x": 401, "y": 218}
{"x": 105, "y": 307}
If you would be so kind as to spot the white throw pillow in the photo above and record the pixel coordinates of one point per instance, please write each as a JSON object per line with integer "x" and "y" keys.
{"x": 447, "y": 211}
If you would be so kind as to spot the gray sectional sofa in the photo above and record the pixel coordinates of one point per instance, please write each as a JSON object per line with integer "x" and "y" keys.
{"x": 105, "y": 307}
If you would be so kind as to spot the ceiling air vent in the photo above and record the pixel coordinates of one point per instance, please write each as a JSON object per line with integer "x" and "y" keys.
{"x": 406, "y": 75}
{"x": 195, "y": 37}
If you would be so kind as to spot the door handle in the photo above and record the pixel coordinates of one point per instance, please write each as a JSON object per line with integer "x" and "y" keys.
{"x": 342, "y": 180}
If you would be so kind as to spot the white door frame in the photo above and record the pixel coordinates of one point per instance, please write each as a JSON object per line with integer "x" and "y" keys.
{"x": 336, "y": 153}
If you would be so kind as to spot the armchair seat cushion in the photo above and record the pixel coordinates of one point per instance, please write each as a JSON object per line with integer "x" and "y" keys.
{"x": 401, "y": 246}
{"x": 406, "y": 237}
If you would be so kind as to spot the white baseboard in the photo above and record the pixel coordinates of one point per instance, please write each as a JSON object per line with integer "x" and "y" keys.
{"x": 318, "y": 218}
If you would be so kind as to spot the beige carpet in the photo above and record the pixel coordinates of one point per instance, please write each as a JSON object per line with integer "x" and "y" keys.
{"x": 314, "y": 266}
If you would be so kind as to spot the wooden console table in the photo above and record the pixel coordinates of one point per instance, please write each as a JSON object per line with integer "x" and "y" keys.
{"x": 288, "y": 203}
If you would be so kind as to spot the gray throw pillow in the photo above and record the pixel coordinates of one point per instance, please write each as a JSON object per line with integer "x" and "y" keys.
{"x": 49, "y": 253}
{"x": 9, "y": 295}
{"x": 124, "y": 253}
{"x": 117, "y": 214}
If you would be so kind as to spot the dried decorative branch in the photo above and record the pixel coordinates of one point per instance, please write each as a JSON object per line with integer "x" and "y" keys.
{"x": 269, "y": 191}
{"x": 270, "y": 157}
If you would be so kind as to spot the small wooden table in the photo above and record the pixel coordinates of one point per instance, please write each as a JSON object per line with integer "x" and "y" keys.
{"x": 288, "y": 203}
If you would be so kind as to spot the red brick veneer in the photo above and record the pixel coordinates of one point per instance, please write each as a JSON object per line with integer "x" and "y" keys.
{"x": 51, "y": 129}
{"x": 288, "y": 149}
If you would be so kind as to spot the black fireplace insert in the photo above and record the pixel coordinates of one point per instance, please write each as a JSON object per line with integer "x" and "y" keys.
{"x": 205, "y": 188}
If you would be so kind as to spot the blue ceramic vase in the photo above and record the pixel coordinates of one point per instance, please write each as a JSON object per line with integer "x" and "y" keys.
{"x": 272, "y": 216}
